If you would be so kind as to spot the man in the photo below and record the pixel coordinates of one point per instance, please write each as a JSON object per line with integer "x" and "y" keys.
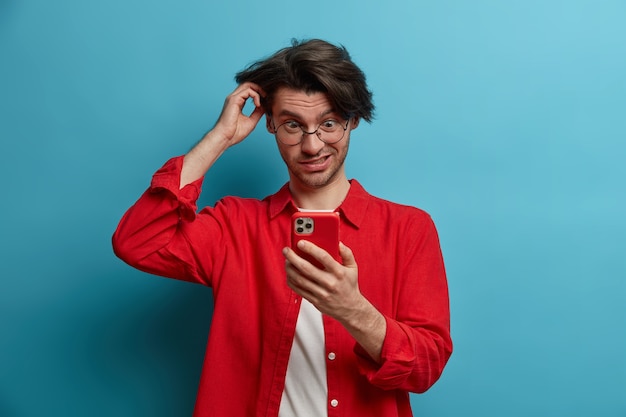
{"x": 288, "y": 338}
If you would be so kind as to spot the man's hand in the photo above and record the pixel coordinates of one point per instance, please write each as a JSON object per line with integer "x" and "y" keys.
{"x": 335, "y": 292}
{"x": 232, "y": 127}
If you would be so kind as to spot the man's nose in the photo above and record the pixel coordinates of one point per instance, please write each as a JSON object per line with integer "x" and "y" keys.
{"x": 311, "y": 143}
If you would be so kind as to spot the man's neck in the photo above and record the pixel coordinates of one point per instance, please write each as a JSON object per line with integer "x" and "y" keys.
{"x": 328, "y": 197}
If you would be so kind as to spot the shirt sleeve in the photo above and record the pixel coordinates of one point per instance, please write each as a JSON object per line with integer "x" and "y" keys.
{"x": 151, "y": 235}
{"x": 417, "y": 343}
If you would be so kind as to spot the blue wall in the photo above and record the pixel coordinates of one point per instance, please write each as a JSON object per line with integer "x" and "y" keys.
{"x": 506, "y": 120}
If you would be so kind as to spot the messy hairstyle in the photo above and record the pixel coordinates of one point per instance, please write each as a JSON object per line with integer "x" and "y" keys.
{"x": 314, "y": 66}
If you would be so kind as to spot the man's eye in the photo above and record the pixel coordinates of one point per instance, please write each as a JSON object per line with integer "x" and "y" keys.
{"x": 292, "y": 125}
{"x": 329, "y": 124}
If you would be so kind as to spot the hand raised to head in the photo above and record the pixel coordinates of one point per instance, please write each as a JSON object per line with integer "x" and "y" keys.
{"x": 233, "y": 125}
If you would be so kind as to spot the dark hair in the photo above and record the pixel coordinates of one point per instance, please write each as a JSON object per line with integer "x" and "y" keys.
{"x": 314, "y": 66}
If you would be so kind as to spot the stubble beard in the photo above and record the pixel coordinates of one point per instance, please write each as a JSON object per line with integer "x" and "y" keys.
{"x": 317, "y": 179}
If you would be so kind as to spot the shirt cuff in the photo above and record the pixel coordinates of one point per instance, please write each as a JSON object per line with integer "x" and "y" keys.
{"x": 167, "y": 179}
{"x": 397, "y": 358}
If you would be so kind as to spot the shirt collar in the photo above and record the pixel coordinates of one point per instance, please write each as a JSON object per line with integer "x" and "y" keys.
{"x": 353, "y": 208}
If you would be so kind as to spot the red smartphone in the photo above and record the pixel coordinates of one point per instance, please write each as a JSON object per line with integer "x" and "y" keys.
{"x": 318, "y": 227}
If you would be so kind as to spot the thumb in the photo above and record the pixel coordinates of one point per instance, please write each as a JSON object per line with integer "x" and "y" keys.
{"x": 347, "y": 256}
{"x": 257, "y": 114}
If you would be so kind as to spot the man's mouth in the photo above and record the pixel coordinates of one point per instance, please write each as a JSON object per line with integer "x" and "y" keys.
{"x": 316, "y": 164}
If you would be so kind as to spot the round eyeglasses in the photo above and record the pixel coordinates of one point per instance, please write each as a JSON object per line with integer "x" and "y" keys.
{"x": 329, "y": 131}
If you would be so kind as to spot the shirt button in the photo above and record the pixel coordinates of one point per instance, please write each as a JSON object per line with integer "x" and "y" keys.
{"x": 334, "y": 403}
{"x": 332, "y": 356}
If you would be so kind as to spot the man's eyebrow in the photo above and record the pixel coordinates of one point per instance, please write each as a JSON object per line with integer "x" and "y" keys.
{"x": 298, "y": 116}
{"x": 288, "y": 113}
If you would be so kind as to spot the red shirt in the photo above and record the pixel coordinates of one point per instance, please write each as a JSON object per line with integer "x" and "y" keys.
{"x": 235, "y": 248}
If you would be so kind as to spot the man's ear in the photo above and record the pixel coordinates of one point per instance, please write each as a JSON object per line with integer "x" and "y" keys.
{"x": 268, "y": 124}
{"x": 355, "y": 122}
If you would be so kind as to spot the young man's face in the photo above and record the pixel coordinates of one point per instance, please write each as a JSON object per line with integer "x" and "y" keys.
{"x": 312, "y": 163}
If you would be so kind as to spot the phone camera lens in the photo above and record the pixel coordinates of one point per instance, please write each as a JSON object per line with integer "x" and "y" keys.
{"x": 299, "y": 221}
{"x": 300, "y": 229}
{"x": 308, "y": 225}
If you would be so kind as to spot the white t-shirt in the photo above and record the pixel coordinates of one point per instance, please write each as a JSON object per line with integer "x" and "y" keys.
{"x": 306, "y": 390}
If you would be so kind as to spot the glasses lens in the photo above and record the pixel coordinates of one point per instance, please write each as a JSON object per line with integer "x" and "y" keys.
{"x": 331, "y": 131}
{"x": 291, "y": 133}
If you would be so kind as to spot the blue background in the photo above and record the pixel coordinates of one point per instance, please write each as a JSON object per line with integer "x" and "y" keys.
{"x": 506, "y": 120}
